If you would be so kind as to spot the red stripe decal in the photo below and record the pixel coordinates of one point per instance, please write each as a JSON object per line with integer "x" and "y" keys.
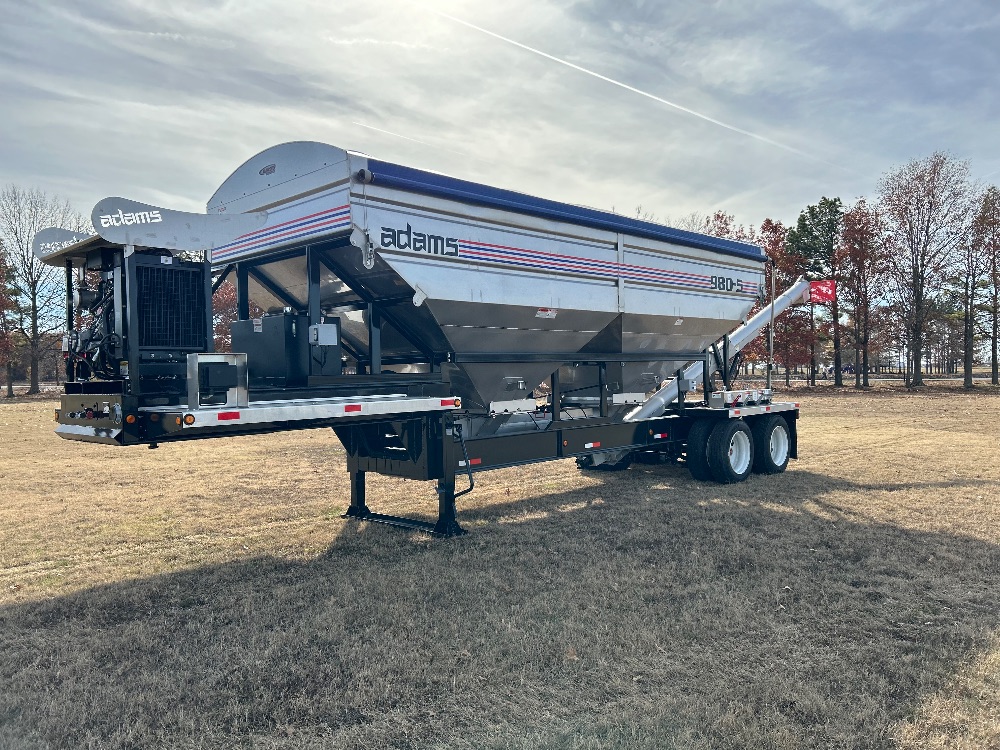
{"x": 275, "y": 237}
{"x": 263, "y": 230}
{"x": 224, "y": 416}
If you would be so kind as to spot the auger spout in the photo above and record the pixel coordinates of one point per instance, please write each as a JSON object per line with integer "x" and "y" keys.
{"x": 656, "y": 404}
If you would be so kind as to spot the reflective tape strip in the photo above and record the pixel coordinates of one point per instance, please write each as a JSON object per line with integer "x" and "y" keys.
{"x": 306, "y": 409}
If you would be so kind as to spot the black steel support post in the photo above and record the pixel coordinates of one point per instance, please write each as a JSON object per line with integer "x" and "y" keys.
{"x": 118, "y": 290}
{"x": 725, "y": 362}
{"x": 681, "y": 389}
{"x": 242, "y": 292}
{"x": 313, "y": 305}
{"x": 375, "y": 340}
{"x": 706, "y": 375}
{"x": 313, "y": 264}
{"x": 70, "y": 369}
{"x": 209, "y": 301}
{"x": 602, "y": 386}
{"x": 556, "y": 396}
{"x": 132, "y": 317}
{"x": 358, "y": 507}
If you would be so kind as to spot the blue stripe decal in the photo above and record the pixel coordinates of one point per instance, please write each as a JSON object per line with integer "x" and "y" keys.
{"x": 427, "y": 183}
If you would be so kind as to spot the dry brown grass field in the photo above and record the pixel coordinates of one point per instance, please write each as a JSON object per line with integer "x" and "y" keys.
{"x": 208, "y": 595}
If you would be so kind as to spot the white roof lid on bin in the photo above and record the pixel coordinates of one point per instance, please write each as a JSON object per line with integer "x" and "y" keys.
{"x": 281, "y": 174}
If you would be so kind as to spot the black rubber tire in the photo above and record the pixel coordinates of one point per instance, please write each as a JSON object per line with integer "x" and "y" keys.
{"x": 763, "y": 459}
{"x": 720, "y": 457}
{"x": 697, "y": 449}
{"x": 586, "y": 463}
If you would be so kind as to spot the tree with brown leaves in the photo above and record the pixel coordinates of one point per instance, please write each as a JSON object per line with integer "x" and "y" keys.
{"x": 863, "y": 258}
{"x": 927, "y": 205}
{"x": 792, "y": 330}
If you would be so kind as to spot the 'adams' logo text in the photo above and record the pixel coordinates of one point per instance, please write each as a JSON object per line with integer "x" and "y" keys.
{"x": 407, "y": 239}
{"x": 139, "y": 217}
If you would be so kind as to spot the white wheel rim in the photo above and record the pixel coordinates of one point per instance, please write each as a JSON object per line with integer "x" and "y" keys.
{"x": 739, "y": 452}
{"x": 779, "y": 445}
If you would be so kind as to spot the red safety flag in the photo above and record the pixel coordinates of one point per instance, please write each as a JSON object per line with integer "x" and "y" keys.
{"x": 822, "y": 291}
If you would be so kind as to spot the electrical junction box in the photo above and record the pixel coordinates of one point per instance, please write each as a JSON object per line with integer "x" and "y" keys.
{"x": 324, "y": 346}
{"x": 324, "y": 334}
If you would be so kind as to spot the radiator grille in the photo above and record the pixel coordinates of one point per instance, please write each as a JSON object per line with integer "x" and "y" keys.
{"x": 171, "y": 308}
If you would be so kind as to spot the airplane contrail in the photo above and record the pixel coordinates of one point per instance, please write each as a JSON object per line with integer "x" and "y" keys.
{"x": 389, "y": 132}
{"x": 634, "y": 90}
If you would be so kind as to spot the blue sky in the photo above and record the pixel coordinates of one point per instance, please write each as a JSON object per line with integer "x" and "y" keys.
{"x": 161, "y": 101}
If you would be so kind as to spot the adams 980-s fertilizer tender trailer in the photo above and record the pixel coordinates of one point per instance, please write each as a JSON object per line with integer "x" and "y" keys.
{"x": 415, "y": 314}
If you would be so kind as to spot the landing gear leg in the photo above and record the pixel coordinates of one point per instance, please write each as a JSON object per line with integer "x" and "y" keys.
{"x": 358, "y": 508}
{"x": 447, "y": 524}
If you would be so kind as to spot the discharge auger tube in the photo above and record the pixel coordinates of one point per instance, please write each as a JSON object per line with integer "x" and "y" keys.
{"x": 656, "y": 404}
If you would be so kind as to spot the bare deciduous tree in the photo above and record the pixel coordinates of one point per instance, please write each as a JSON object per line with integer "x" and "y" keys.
{"x": 40, "y": 288}
{"x": 8, "y": 318}
{"x": 986, "y": 233}
{"x": 927, "y": 205}
{"x": 972, "y": 271}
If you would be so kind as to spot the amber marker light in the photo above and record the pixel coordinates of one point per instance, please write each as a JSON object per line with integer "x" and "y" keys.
{"x": 178, "y": 420}
{"x": 189, "y": 419}
{"x": 130, "y": 419}
{"x": 154, "y": 417}
{"x": 57, "y": 415}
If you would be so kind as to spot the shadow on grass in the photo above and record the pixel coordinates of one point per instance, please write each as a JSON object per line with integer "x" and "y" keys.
{"x": 644, "y": 610}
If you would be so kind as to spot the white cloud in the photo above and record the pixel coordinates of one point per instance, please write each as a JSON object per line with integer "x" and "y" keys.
{"x": 880, "y": 15}
{"x": 161, "y": 101}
